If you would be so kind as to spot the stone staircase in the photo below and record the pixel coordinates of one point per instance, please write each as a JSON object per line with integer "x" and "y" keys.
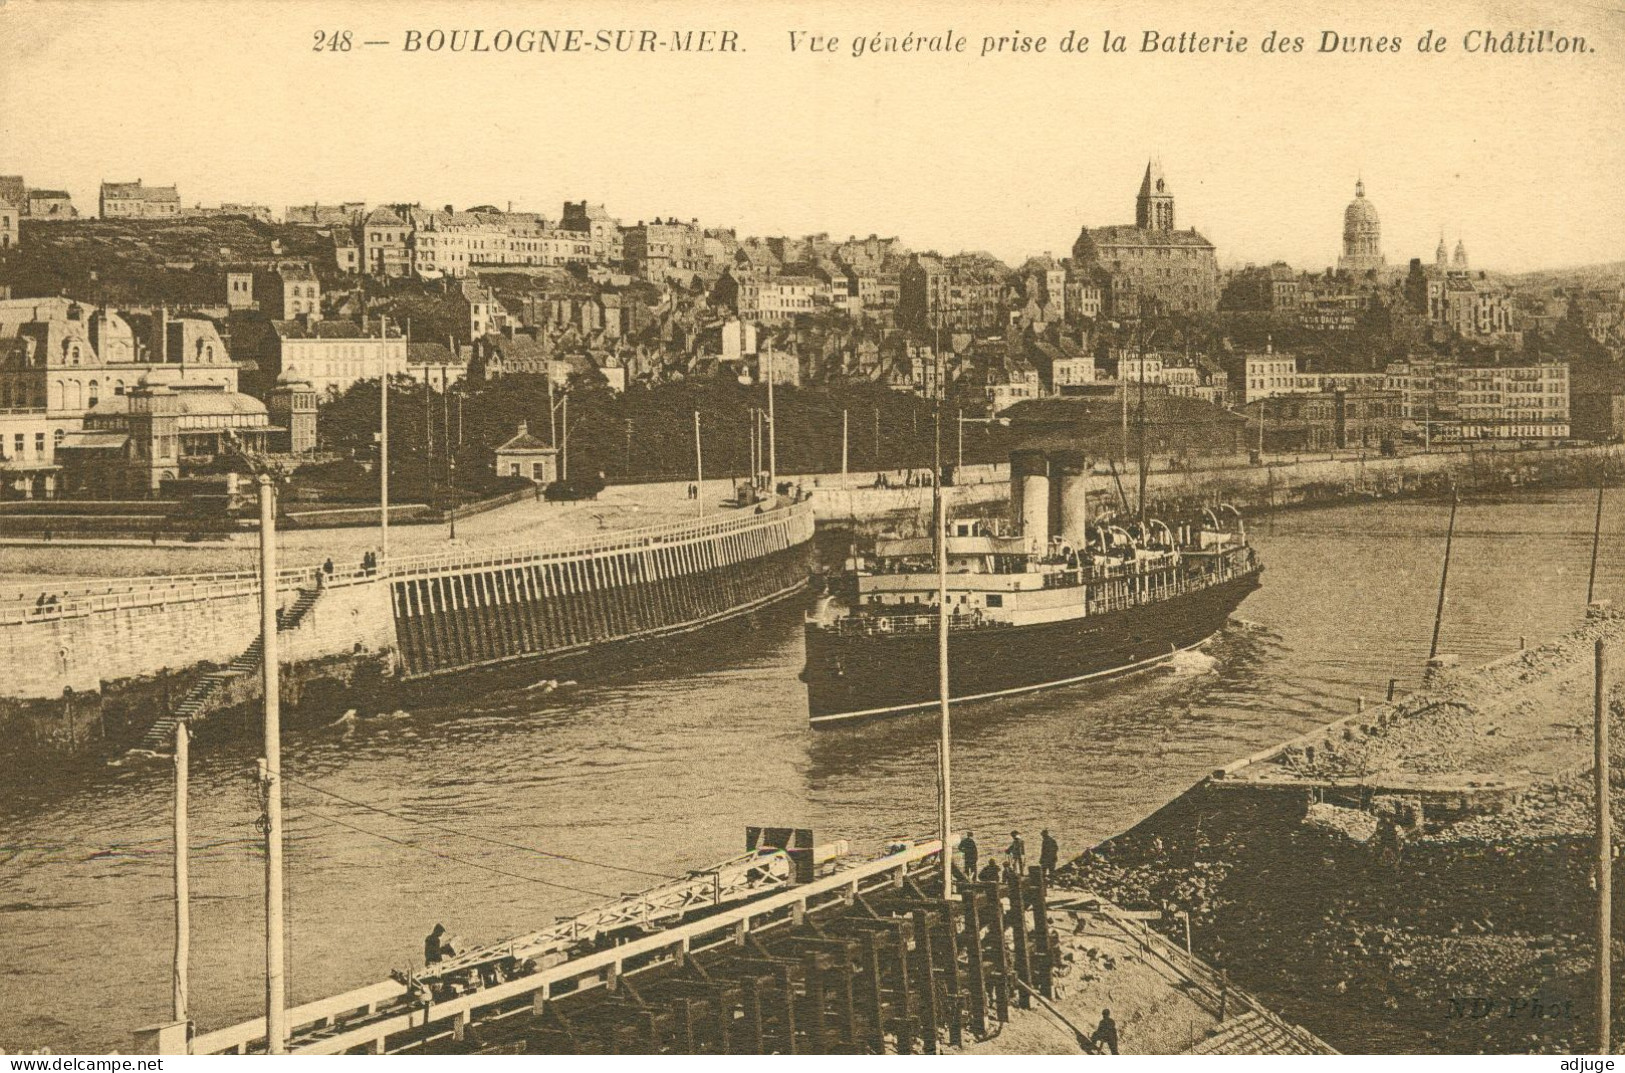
{"x": 160, "y": 737}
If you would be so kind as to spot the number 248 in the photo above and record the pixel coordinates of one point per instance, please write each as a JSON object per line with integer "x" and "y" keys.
{"x": 337, "y": 41}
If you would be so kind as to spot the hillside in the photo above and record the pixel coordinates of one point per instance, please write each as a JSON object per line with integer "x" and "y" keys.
{"x": 137, "y": 261}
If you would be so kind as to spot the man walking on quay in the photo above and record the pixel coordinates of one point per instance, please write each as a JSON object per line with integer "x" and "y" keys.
{"x": 967, "y": 850}
{"x": 1017, "y": 852}
{"x": 1049, "y": 854}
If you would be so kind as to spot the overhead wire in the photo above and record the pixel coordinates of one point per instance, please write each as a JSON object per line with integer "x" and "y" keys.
{"x": 477, "y": 837}
{"x": 453, "y": 857}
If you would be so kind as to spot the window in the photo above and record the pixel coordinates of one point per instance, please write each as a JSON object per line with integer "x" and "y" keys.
{"x": 39, "y": 443}
{"x": 995, "y": 600}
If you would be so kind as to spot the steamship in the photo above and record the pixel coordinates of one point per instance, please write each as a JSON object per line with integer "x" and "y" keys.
{"x": 1066, "y": 598}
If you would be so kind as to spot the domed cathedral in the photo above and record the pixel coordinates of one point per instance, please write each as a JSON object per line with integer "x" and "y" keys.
{"x": 1150, "y": 268}
{"x": 1362, "y": 236}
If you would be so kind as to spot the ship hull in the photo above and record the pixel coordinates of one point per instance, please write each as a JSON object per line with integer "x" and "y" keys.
{"x": 851, "y": 678}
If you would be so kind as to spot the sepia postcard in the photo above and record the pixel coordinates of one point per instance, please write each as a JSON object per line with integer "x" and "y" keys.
{"x": 1181, "y": 613}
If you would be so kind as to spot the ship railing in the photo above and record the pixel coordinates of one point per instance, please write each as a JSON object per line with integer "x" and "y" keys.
{"x": 885, "y": 625}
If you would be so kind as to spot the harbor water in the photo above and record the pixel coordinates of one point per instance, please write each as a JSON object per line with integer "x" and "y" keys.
{"x": 500, "y": 812}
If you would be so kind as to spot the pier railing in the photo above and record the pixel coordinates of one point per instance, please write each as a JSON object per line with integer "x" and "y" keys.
{"x": 49, "y": 602}
{"x": 365, "y": 1019}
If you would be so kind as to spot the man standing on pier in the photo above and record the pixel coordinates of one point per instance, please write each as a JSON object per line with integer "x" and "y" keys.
{"x": 967, "y": 850}
{"x": 1049, "y": 854}
{"x": 1017, "y": 852}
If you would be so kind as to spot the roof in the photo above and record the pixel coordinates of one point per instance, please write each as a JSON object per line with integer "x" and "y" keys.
{"x": 384, "y": 215}
{"x": 1154, "y": 182}
{"x": 430, "y": 354}
{"x": 322, "y": 329}
{"x": 524, "y": 441}
{"x": 93, "y": 441}
{"x": 136, "y": 191}
{"x": 54, "y": 195}
{"x": 1129, "y": 235}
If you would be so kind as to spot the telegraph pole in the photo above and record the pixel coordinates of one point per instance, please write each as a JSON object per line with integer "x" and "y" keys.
{"x": 844, "y": 416}
{"x": 383, "y": 443}
{"x": 1605, "y": 862}
{"x": 271, "y": 777}
{"x": 939, "y": 515}
{"x": 772, "y": 428}
{"x": 183, "y": 889}
{"x": 699, "y": 465}
{"x": 1596, "y": 538}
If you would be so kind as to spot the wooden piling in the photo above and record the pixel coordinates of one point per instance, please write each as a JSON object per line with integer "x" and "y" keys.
{"x": 926, "y": 979}
{"x": 976, "y": 1000}
{"x": 1044, "y": 956}
{"x": 1018, "y": 933}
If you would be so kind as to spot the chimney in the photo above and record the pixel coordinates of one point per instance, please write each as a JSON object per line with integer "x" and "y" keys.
{"x": 1070, "y": 468}
{"x": 1029, "y": 496}
{"x": 524, "y": 427}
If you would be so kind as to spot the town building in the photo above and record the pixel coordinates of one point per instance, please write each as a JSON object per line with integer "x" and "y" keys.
{"x": 1324, "y": 421}
{"x": 1268, "y": 375}
{"x": 1071, "y": 371}
{"x": 50, "y": 205}
{"x": 1269, "y": 289}
{"x": 964, "y": 292}
{"x": 1522, "y": 402}
{"x": 434, "y": 364}
{"x": 292, "y": 405}
{"x": 61, "y": 361}
{"x": 332, "y": 355}
{"x": 262, "y": 213}
{"x": 347, "y": 214}
{"x": 287, "y": 290}
{"x": 1597, "y": 403}
{"x": 1362, "y": 236}
{"x": 667, "y": 251}
{"x": 37, "y": 205}
{"x": 10, "y": 214}
{"x": 603, "y": 231}
{"x": 137, "y": 201}
{"x": 526, "y": 456}
{"x": 156, "y": 432}
{"x": 1152, "y": 267}
{"x": 385, "y": 244}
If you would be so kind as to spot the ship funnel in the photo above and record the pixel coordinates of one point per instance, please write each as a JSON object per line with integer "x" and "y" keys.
{"x": 1029, "y": 497}
{"x": 1071, "y": 472}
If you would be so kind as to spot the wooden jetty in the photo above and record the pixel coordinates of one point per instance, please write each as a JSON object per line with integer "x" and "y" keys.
{"x": 765, "y": 954}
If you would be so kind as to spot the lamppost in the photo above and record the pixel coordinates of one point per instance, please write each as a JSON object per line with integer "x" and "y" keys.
{"x": 451, "y": 484}
{"x": 1002, "y": 422}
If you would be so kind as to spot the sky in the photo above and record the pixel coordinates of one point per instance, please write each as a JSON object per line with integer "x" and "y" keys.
{"x": 1518, "y": 155}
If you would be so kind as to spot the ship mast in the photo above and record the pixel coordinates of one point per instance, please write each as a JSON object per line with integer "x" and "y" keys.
{"x": 1139, "y": 421}
{"x": 939, "y": 520}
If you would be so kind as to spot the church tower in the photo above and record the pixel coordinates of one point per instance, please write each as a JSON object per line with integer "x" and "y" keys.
{"x": 1441, "y": 256}
{"x": 1458, "y": 263}
{"x": 1154, "y": 208}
